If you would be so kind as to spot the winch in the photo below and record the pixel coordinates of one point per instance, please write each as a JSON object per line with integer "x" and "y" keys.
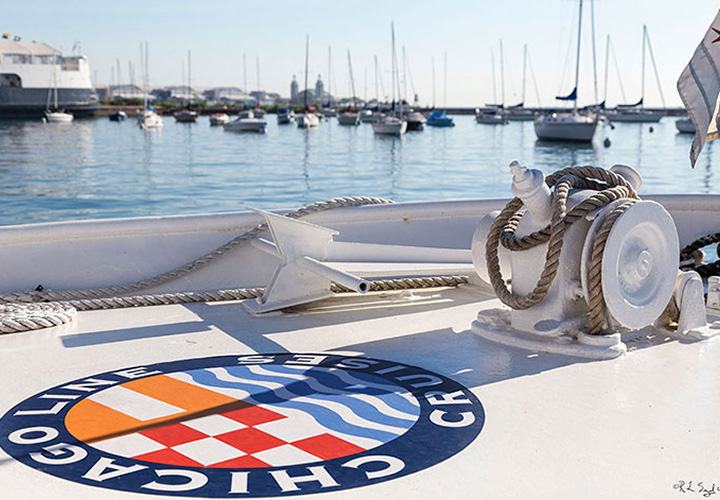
{"x": 585, "y": 262}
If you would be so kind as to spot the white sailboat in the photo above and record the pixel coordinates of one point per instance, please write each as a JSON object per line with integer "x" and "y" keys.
{"x": 637, "y": 113}
{"x": 518, "y": 112}
{"x": 350, "y": 116}
{"x": 247, "y": 121}
{"x": 307, "y": 119}
{"x": 54, "y": 114}
{"x": 148, "y": 118}
{"x": 569, "y": 126}
{"x": 391, "y": 124}
{"x": 187, "y": 115}
{"x": 494, "y": 115}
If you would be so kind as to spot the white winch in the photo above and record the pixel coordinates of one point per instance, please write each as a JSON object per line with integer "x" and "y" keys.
{"x": 585, "y": 264}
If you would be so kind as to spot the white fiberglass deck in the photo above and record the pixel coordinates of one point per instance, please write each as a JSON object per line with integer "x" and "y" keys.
{"x": 556, "y": 426}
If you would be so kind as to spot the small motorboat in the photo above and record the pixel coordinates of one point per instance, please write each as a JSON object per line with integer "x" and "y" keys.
{"x": 246, "y": 122}
{"x": 217, "y": 119}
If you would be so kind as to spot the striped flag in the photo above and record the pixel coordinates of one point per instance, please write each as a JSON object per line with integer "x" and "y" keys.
{"x": 699, "y": 88}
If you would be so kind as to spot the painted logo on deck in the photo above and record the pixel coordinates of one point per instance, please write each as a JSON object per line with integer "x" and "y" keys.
{"x": 244, "y": 426}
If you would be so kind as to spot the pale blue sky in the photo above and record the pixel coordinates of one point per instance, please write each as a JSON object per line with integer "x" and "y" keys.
{"x": 218, "y": 32}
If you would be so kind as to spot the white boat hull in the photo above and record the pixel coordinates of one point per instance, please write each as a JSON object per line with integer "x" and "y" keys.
{"x": 256, "y": 125}
{"x": 390, "y": 126}
{"x": 148, "y": 119}
{"x": 565, "y": 127}
{"x": 307, "y": 120}
{"x": 58, "y": 117}
{"x": 348, "y": 119}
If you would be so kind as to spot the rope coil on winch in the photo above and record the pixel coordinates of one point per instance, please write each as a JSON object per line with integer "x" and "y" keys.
{"x": 610, "y": 187}
{"x": 24, "y": 311}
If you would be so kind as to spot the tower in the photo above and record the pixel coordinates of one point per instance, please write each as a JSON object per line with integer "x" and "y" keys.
{"x": 319, "y": 90}
{"x": 293, "y": 89}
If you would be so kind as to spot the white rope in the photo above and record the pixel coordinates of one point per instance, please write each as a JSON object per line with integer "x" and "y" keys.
{"x": 32, "y": 310}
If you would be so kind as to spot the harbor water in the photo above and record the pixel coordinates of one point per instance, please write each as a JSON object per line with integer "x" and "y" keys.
{"x": 94, "y": 168}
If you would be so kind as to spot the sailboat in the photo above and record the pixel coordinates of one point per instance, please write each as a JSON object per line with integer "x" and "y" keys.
{"x": 148, "y": 118}
{"x": 350, "y": 116}
{"x": 391, "y": 124}
{"x": 187, "y": 115}
{"x": 307, "y": 118}
{"x": 494, "y": 115}
{"x": 54, "y": 114}
{"x": 440, "y": 118}
{"x": 568, "y": 126}
{"x": 636, "y": 112}
{"x": 517, "y": 112}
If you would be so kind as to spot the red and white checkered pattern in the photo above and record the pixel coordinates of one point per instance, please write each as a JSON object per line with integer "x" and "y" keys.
{"x": 248, "y": 437}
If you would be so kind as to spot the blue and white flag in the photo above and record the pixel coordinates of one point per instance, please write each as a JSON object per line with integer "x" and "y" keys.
{"x": 699, "y": 88}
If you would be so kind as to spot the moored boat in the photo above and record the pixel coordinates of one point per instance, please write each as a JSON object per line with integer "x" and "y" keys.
{"x": 685, "y": 126}
{"x": 389, "y": 125}
{"x": 246, "y": 122}
{"x": 491, "y": 115}
{"x": 217, "y": 119}
{"x": 117, "y": 116}
{"x": 26, "y": 71}
{"x": 285, "y": 116}
{"x": 186, "y": 116}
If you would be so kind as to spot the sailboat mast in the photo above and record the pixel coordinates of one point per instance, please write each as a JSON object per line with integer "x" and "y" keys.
{"x": 577, "y": 59}
{"x": 652, "y": 59}
{"x": 329, "y": 77}
{"x": 502, "y": 75}
{"x": 352, "y": 79}
{"x": 377, "y": 93}
{"x": 642, "y": 77}
{"x": 524, "y": 74}
{"x": 189, "y": 79}
{"x": 592, "y": 30}
{"x": 492, "y": 66}
{"x": 432, "y": 62}
{"x": 392, "y": 62}
{"x": 445, "y": 85}
{"x": 607, "y": 61}
{"x": 245, "y": 87}
{"x": 307, "y": 53}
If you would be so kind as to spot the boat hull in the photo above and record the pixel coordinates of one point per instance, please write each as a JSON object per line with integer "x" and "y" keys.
{"x": 392, "y": 128}
{"x": 565, "y": 130}
{"x": 635, "y": 117}
{"x": 685, "y": 126}
{"x": 32, "y": 102}
{"x": 348, "y": 119}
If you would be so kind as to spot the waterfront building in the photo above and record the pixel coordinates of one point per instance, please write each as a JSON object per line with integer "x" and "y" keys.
{"x": 294, "y": 89}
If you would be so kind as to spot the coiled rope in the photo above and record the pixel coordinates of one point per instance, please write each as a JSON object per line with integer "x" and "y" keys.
{"x": 610, "y": 187}
{"x": 31, "y": 310}
{"x": 692, "y": 258}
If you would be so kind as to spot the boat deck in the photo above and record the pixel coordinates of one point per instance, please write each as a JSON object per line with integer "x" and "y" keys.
{"x": 543, "y": 426}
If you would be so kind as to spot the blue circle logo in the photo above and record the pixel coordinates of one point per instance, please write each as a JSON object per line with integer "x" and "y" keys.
{"x": 244, "y": 426}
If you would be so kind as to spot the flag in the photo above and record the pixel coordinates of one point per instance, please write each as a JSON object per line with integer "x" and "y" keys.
{"x": 699, "y": 87}
{"x": 571, "y": 97}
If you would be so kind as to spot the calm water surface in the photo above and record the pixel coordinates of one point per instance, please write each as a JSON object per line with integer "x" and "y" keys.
{"x": 100, "y": 169}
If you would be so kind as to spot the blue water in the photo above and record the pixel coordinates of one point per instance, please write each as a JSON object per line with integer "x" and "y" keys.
{"x": 100, "y": 169}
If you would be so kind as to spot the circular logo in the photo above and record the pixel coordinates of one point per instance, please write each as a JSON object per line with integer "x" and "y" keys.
{"x": 244, "y": 426}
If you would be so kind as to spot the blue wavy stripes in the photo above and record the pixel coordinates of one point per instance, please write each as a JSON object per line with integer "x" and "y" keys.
{"x": 385, "y": 392}
{"x": 324, "y": 415}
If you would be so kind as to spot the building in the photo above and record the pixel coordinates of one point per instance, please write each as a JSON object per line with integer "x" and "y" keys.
{"x": 294, "y": 89}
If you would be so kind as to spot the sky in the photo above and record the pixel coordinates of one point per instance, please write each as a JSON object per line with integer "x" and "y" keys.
{"x": 270, "y": 34}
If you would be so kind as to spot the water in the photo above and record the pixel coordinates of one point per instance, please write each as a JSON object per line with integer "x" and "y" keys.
{"x": 101, "y": 169}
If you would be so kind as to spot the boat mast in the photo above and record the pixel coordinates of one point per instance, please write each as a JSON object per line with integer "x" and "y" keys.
{"x": 392, "y": 62}
{"x": 329, "y": 77}
{"x": 657, "y": 77}
{"x": 352, "y": 80}
{"x": 642, "y": 77}
{"x": 432, "y": 62}
{"x": 445, "y": 85}
{"x": 524, "y": 74}
{"x": 307, "y": 53}
{"x": 592, "y": 30}
{"x": 189, "y": 79}
{"x": 607, "y": 61}
{"x": 577, "y": 59}
{"x": 502, "y": 76}
{"x": 494, "y": 77}
{"x": 245, "y": 87}
{"x": 377, "y": 93}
